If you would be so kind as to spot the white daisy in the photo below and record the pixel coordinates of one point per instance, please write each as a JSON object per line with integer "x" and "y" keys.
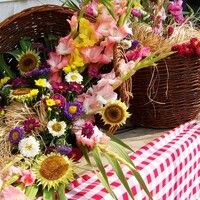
{"x": 74, "y": 77}
{"x": 56, "y": 128}
{"x": 29, "y": 146}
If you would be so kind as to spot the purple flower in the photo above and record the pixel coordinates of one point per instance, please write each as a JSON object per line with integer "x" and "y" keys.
{"x": 87, "y": 130}
{"x": 18, "y": 82}
{"x": 64, "y": 150}
{"x": 30, "y": 125}
{"x": 37, "y": 72}
{"x": 134, "y": 44}
{"x": 16, "y": 135}
{"x": 72, "y": 110}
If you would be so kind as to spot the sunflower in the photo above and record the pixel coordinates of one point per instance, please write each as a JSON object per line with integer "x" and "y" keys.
{"x": 28, "y": 61}
{"x": 114, "y": 113}
{"x": 53, "y": 169}
{"x": 23, "y": 94}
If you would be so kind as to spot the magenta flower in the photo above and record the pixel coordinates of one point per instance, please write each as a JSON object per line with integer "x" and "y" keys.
{"x": 15, "y": 135}
{"x": 60, "y": 101}
{"x": 75, "y": 87}
{"x": 93, "y": 70}
{"x": 30, "y": 125}
{"x": 87, "y": 130}
{"x": 59, "y": 87}
{"x": 136, "y": 12}
{"x": 176, "y": 9}
{"x": 18, "y": 81}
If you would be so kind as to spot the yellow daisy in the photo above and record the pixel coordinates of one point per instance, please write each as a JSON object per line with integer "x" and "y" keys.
{"x": 28, "y": 61}
{"x": 114, "y": 113}
{"x": 53, "y": 169}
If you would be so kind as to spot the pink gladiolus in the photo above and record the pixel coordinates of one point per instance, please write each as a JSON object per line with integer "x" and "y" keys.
{"x": 12, "y": 193}
{"x": 108, "y": 50}
{"x": 91, "y": 139}
{"x": 11, "y": 171}
{"x": 65, "y": 45}
{"x": 73, "y": 22}
{"x": 105, "y": 26}
{"x": 57, "y": 62}
{"x": 92, "y": 54}
{"x": 55, "y": 78}
{"x": 126, "y": 68}
{"x": 176, "y": 9}
{"x": 106, "y": 94}
{"x": 91, "y": 105}
{"x": 138, "y": 54}
{"x": 109, "y": 78}
{"x": 92, "y": 8}
{"x": 54, "y": 60}
{"x": 27, "y": 177}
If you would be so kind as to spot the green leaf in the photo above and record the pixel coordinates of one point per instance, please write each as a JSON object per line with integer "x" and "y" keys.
{"x": 15, "y": 53}
{"x": 103, "y": 176}
{"x": 117, "y": 168}
{"x": 48, "y": 194}
{"x": 85, "y": 154}
{"x": 75, "y": 4}
{"x": 125, "y": 156}
{"x": 4, "y": 68}
{"x": 150, "y": 60}
{"x": 118, "y": 141}
{"x": 61, "y": 192}
{"x": 25, "y": 43}
{"x": 31, "y": 191}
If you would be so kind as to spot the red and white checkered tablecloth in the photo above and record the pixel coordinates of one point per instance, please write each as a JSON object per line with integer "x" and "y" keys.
{"x": 169, "y": 165}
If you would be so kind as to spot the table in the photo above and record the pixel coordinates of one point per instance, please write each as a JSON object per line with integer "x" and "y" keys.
{"x": 169, "y": 165}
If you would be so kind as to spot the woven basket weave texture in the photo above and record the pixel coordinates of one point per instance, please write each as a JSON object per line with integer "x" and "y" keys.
{"x": 167, "y": 95}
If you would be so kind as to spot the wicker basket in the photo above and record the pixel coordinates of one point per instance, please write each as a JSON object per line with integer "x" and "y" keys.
{"x": 35, "y": 22}
{"x": 167, "y": 95}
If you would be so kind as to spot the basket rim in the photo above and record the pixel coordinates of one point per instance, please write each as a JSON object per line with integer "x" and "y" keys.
{"x": 41, "y": 8}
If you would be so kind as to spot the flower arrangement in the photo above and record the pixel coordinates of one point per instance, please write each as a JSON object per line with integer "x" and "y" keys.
{"x": 162, "y": 24}
{"x": 52, "y": 98}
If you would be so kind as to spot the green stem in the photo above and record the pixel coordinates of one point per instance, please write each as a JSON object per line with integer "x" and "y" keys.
{"x": 104, "y": 150}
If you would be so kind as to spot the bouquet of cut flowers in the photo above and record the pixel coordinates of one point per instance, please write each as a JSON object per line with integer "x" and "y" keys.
{"x": 52, "y": 99}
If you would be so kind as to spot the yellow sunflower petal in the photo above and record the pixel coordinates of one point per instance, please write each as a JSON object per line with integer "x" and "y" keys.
{"x": 114, "y": 113}
{"x": 53, "y": 169}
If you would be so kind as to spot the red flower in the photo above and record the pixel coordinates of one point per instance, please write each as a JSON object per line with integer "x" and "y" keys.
{"x": 170, "y": 31}
{"x": 198, "y": 50}
{"x": 76, "y": 154}
{"x": 194, "y": 42}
